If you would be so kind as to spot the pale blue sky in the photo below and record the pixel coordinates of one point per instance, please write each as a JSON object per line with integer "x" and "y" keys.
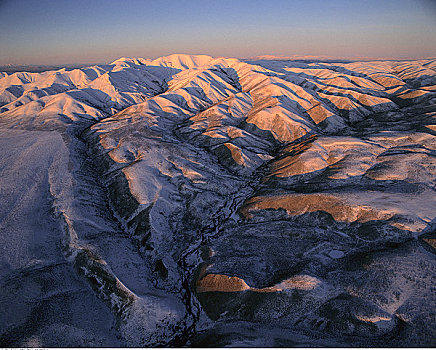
{"x": 88, "y": 31}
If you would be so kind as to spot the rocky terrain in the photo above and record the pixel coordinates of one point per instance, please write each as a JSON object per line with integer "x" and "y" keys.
{"x": 199, "y": 201}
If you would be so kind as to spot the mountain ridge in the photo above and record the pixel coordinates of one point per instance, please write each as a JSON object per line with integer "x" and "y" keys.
{"x": 202, "y": 191}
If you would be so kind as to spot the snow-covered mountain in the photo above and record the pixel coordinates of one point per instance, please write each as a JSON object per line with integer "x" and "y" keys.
{"x": 192, "y": 200}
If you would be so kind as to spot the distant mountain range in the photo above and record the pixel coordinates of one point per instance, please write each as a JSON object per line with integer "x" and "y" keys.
{"x": 37, "y": 68}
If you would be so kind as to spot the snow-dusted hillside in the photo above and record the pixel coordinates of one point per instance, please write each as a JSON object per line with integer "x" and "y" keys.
{"x": 202, "y": 201}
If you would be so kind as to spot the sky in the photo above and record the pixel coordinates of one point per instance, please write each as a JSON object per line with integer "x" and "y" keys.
{"x": 100, "y": 31}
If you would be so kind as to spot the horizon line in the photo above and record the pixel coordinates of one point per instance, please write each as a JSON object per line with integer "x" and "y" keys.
{"x": 256, "y": 57}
